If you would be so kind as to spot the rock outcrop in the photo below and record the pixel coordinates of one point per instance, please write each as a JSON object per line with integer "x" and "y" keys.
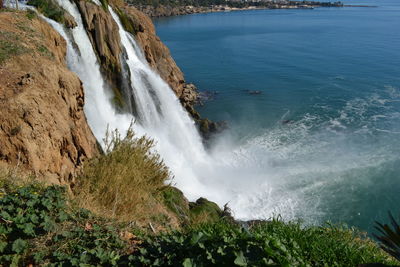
{"x": 103, "y": 33}
{"x": 43, "y": 128}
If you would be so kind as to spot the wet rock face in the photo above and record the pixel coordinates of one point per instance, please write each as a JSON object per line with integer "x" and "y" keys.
{"x": 103, "y": 33}
{"x": 42, "y": 125}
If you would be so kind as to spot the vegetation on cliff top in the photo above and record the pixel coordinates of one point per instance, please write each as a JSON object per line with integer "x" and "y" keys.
{"x": 124, "y": 179}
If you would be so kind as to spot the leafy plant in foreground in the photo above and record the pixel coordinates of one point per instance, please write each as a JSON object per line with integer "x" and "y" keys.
{"x": 25, "y": 213}
{"x": 390, "y": 237}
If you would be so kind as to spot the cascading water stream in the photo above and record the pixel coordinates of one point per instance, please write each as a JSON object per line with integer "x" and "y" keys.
{"x": 83, "y": 62}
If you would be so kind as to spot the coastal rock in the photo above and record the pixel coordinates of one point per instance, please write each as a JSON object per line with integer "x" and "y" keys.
{"x": 43, "y": 128}
{"x": 209, "y": 128}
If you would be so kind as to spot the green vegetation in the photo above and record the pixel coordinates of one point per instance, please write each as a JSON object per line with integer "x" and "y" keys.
{"x": 118, "y": 99}
{"x": 390, "y": 238}
{"x": 125, "y": 180}
{"x": 45, "y": 52}
{"x": 104, "y": 4}
{"x": 128, "y": 22}
{"x": 10, "y": 45}
{"x": 49, "y": 8}
{"x": 267, "y": 244}
{"x": 39, "y": 225}
{"x": 30, "y": 14}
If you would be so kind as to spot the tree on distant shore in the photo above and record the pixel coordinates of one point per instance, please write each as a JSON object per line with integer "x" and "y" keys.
{"x": 1, "y": 4}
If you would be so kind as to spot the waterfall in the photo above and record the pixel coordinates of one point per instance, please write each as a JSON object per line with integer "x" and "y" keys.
{"x": 159, "y": 113}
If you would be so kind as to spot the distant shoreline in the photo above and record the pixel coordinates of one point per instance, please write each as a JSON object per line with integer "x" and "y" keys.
{"x": 167, "y": 11}
{"x": 358, "y": 6}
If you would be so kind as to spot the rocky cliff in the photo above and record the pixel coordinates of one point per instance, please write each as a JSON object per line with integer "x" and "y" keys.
{"x": 42, "y": 124}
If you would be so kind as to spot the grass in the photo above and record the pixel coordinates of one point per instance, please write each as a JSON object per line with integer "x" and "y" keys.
{"x": 125, "y": 180}
{"x": 45, "y": 52}
{"x": 10, "y": 45}
{"x": 273, "y": 243}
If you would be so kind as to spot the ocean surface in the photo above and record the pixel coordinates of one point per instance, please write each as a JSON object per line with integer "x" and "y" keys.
{"x": 321, "y": 141}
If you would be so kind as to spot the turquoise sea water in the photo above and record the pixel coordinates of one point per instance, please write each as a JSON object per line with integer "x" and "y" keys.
{"x": 326, "y": 125}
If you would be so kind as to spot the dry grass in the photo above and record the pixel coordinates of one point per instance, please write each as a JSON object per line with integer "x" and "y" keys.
{"x": 12, "y": 176}
{"x": 126, "y": 181}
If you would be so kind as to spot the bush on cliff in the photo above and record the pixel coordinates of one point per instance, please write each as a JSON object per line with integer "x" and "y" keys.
{"x": 124, "y": 182}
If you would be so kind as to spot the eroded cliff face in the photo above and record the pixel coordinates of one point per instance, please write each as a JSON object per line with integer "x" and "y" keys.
{"x": 42, "y": 125}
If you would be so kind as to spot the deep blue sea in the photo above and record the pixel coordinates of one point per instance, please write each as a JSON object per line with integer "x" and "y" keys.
{"x": 325, "y": 129}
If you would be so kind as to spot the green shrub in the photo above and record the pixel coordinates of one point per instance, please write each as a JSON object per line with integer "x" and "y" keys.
{"x": 204, "y": 211}
{"x": 125, "y": 181}
{"x": 30, "y": 14}
{"x": 389, "y": 237}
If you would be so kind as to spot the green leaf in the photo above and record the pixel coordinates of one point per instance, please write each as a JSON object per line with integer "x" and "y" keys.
{"x": 29, "y": 229}
{"x": 188, "y": 263}
{"x": 196, "y": 237}
{"x": 19, "y": 245}
{"x": 240, "y": 259}
{"x": 3, "y": 245}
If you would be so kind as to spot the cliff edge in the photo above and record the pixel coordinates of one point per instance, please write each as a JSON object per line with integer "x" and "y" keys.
{"x": 43, "y": 127}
